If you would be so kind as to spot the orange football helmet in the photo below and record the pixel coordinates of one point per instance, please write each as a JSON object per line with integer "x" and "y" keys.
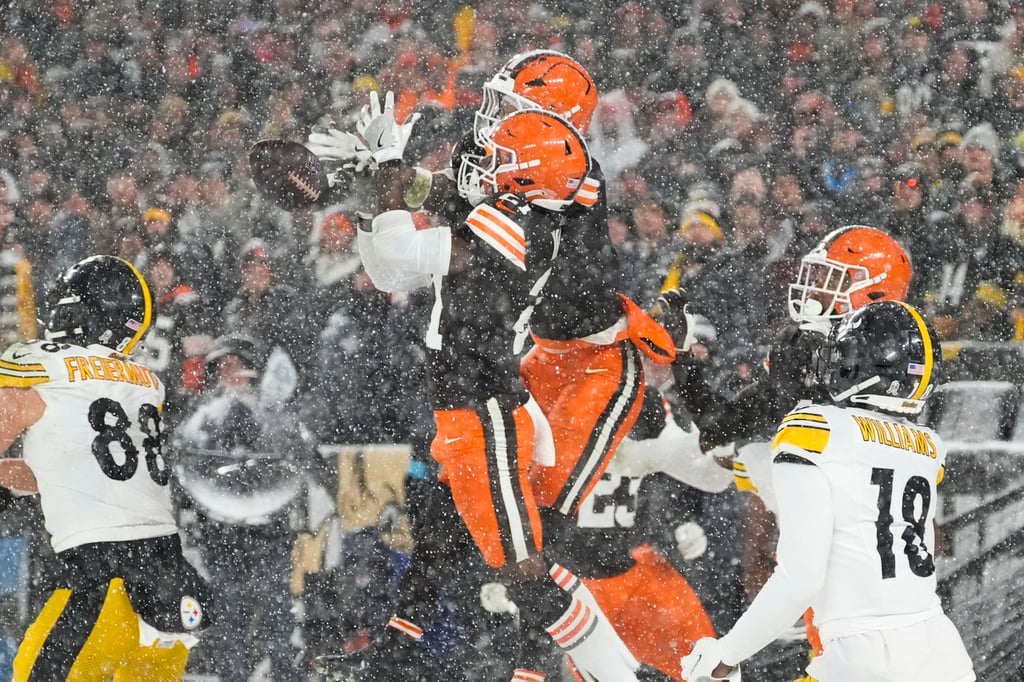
{"x": 541, "y": 79}
{"x": 849, "y": 268}
{"x": 531, "y": 153}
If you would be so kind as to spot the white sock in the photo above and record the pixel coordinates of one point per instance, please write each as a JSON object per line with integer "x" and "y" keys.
{"x": 587, "y": 636}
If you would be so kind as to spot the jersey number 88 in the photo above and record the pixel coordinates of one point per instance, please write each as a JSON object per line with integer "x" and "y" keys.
{"x": 149, "y": 423}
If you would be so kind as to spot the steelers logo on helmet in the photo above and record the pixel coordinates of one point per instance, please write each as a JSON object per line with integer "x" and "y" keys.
{"x": 883, "y": 356}
{"x": 541, "y": 79}
{"x": 101, "y": 300}
{"x": 849, "y": 268}
{"x": 532, "y": 154}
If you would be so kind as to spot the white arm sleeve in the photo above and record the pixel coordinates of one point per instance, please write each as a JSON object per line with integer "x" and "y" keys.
{"x": 398, "y": 257}
{"x": 805, "y": 536}
{"x": 675, "y": 452}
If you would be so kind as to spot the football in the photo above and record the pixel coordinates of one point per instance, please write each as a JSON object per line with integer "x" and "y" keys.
{"x": 288, "y": 174}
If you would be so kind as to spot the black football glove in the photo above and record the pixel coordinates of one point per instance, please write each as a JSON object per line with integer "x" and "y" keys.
{"x": 792, "y": 363}
{"x": 673, "y": 312}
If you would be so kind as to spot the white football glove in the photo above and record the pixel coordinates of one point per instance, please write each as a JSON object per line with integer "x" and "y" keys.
{"x": 691, "y": 541}
{"x": 339, "y": 145}
{"x": 705, "y": 657}
{"x": 382, "y": 135}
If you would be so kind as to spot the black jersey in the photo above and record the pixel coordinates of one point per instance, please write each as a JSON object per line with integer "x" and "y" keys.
{"x": 482, "y": 313}
{"x": 580, "y": 297}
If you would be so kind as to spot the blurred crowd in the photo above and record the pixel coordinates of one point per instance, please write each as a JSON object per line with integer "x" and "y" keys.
{"x": 734, "y": 135}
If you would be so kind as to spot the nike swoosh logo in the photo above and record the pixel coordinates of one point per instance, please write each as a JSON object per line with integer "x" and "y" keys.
{"x": 16, "y": 356}
{"x": 380, "y": 139}
{"x": 452, "y": 440}
{"x": 589, "y": 370}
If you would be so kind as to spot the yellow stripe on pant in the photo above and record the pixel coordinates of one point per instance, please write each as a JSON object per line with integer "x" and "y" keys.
{"x": 111, "y": 647}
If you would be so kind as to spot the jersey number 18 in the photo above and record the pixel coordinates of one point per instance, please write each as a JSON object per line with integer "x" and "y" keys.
{"x": 918, "y": 556}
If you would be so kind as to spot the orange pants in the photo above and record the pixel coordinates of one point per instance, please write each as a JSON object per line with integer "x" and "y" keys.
{"x": 591, "y": 396}
{"x": 485, "y": 457}
{"x": 654, "y": 610}
{"x": 813, "y": 634}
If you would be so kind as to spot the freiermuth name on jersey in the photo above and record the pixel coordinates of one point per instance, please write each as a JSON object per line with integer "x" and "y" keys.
{"x": 92, "y": 367}
{"x": 97, "y": 452}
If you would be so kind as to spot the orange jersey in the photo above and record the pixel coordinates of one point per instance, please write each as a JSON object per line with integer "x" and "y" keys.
{"x": 591, "y": 396}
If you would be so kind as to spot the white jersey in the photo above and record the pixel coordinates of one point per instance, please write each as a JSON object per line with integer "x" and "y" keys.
{"x": 96, "y": 451}
{"x": 882, "y": 472}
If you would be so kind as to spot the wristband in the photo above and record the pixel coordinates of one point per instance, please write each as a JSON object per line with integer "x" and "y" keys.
{"x": 420, "y": 188}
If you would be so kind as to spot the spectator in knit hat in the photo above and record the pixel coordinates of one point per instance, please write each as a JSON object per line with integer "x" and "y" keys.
{"x": 979, "y": 155}
{"x": 197, "y": 264}
{"x": 945, "y": 180}
{"x": 669, "y": 165}
{"x": 269, "y": 311}
{"x": 699, "y": 236}
{"x": 685, "y": 68}
{"x": 721, "y": 291}
{"x": 959, "y": 91}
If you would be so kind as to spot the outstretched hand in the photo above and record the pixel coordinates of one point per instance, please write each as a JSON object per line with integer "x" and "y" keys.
{"x": 380, "y": 132}
{"x": 677, "y": 318}
{"x": 339, "y": 145}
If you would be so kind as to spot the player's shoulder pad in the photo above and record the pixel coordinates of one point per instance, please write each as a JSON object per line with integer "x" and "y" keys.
{"x": 802, "y": 435}
{"x": 24, "y": 364}
{"x": 498, "y": 223}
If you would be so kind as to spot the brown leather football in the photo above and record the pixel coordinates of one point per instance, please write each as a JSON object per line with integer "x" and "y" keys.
{"x": 288, "y": 174}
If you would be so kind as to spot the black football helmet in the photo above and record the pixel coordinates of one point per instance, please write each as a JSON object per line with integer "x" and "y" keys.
{"x": 883, "y": 356}
{"x": 101, "y": 300}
